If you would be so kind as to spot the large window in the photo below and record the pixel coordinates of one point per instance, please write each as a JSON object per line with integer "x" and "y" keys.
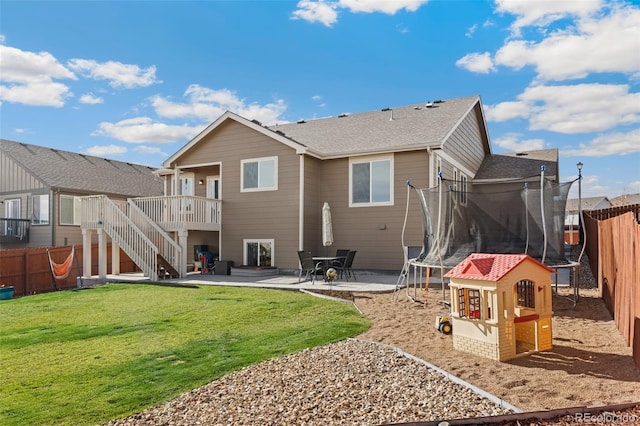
{"x": 259, "y": 174}
{"x": 371, "y": 181}
{"x": 258, "y": 252}
{"x": 525, "y": 290}
{"x": 69, "y": 210}
{"x": 40, "y": 214}
{"x": 469, "y": 303}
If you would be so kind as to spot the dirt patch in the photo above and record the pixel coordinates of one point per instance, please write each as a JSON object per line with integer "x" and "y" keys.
{"x": 589, "y": 364}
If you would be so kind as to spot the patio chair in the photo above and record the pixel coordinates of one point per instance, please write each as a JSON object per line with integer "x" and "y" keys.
{"x": 342, "y": 253}
{"x": 345, "y": 269}
{"x": 308, "y": 266}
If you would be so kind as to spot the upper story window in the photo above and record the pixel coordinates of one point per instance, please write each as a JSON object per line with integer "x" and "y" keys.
{"x": 40, "y": 214}
{"x": 371, "y": 181}
{"x": 259, "y": 174}
{"x": 460, "y": 186}
{"x": 69, "y": 210}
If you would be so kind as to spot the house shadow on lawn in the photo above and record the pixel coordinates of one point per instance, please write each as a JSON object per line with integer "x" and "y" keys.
{"x": 581, "y": 362}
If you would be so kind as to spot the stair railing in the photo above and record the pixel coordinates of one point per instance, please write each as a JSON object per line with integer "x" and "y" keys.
{"x": 102, "y": 213}
{"x": 167, "y": 247}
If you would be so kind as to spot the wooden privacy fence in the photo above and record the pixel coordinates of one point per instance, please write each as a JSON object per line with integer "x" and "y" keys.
{"x": 613, "y": 248}
{"x": 28, "y": 270}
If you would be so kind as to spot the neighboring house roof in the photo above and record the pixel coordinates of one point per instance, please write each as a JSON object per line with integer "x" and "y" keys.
{"x": 489, "y": 267}
{"x": 625, "y": 200}
{"x": 518, "y": 165}
{"x": 589, "y": 203}
{"x": 394, "y": 129}
{"x": 83, "y": 173}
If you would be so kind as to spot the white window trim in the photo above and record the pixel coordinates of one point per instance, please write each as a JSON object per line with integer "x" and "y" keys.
{"x": 209, "y": 180}
{"x": 258, "y": 160}
{"x": 33, "y": 206}
{"x": 369, "y": 159}
{"x": 76, "y": 211}
{"x": 258, "y": 240}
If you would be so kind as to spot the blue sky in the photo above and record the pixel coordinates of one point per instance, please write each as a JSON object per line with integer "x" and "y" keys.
{"x": 134, "y": 81}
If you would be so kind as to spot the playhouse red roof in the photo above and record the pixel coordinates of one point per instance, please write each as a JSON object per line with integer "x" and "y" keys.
{"x": 489, "y": 267}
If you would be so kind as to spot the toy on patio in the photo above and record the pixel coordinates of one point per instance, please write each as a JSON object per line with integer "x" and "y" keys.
{"x": 501, "y": 305}
{"x": 331, "y": 275}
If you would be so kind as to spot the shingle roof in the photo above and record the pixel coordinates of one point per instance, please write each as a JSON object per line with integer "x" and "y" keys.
{"x": 518, "y": 165}
{"x": 83, "y": 173}
{"x": 588, "y": 203}
{"x": 489, "y": 267}
{"x": 625, "y": 200}
{"x": 387, "y": 129}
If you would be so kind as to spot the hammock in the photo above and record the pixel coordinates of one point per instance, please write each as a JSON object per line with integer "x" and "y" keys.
{"x": 61, "y": 271}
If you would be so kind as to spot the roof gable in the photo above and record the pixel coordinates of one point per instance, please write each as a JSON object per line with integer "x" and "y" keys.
{"x": 83, "y": 173}
{"x": 490, "y": 267}
{"x": 253, "y": 124}
{"x": 395, "y": 129}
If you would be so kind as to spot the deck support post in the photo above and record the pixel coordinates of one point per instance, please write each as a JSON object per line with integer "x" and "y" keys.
{"x": 86, "y": 253}
{"x": 115, "y": 258}
{"x": 102, "y": 254}
{"x": 182, "y": 242}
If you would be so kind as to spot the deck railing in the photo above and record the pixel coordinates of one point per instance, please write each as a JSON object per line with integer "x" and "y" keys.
{"x": 177, "y": 212}
{"x": 14, "y": 230}
{"x": 99, "y": 212}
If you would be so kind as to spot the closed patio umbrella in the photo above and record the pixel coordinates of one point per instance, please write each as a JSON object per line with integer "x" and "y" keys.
{"x": 327, "y": 228}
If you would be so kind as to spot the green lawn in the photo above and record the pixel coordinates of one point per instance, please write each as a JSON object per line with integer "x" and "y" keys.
{"x": 86, "y": 357}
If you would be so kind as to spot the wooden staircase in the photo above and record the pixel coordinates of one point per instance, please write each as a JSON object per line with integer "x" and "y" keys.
{"x": 165, "y": 269}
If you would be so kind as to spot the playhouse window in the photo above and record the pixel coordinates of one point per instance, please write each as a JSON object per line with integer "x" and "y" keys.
{"x": 526, "y": 294}
{"x": 469, "y": 303}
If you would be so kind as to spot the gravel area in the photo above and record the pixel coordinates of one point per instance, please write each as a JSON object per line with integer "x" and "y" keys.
{"x": 351, "y": 382}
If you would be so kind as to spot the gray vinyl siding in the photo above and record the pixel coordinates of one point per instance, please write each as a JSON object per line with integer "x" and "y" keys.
{"x": 15, "y": 178}
{"x": 313, "y": 201}
{"x": 252, "y": 215}
{"x": 466, "y": 144}
{"x": 375, "y": 232}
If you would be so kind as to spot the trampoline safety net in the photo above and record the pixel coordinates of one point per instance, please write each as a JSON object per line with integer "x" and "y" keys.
{"x": 487, "y": 220}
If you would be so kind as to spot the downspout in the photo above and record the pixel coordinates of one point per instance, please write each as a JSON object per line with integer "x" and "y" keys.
{"x": 301, "y": 205}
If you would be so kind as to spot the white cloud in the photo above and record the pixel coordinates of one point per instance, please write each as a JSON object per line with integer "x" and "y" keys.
{"x": 316, "y": 11}
{"x": 512, "y": 142}
{"x": 143, "y": 129}
{"x": 208, "y": 104}
{"x": 28, "y": 78}
{"x": 91, "y": 99}
{"x": 118, "y": 74}
{"x": 2, "y": 38}
{"x": 106, "y": 150}
{"x": 319, "y": 100}
{"x": 570, "y": 109}
{"x": 611, "y": 144}
{"x": 151, "y": 150}
{"x": 477, "y": 62}
{"x": 326, "y": 12}
{"x": 472, "y": 29}
{"x": 593, "y": 45}
{"x": 390, "y": 7}
{"x": 542, "y": 13}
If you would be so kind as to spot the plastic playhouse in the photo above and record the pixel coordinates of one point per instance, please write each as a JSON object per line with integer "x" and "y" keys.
{"x": 501, "y": 305}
